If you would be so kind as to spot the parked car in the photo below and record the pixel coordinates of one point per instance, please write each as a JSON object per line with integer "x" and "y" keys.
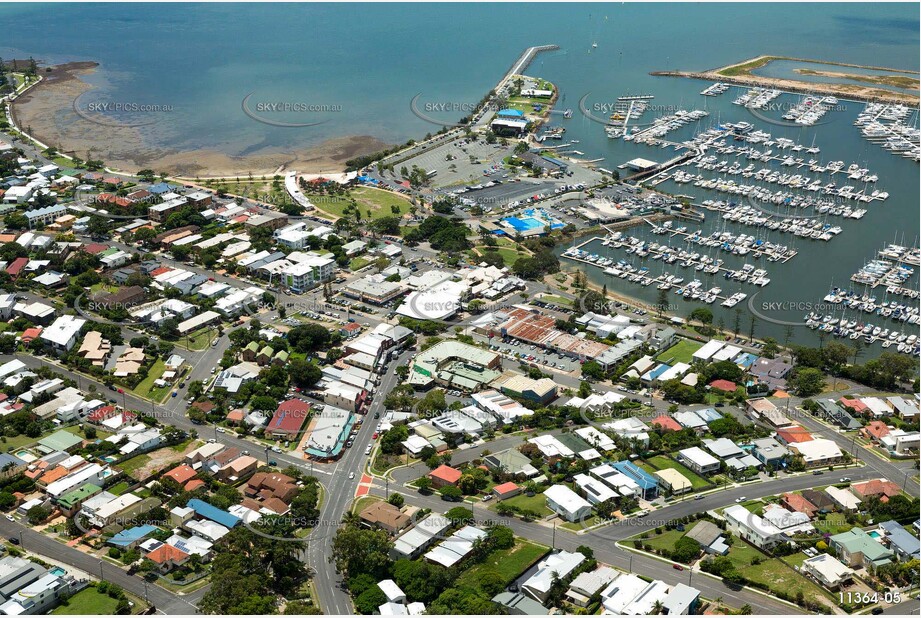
{"x": 677, "y": 567}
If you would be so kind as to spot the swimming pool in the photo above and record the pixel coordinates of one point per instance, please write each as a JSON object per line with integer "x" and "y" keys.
{"x": 58, "y": 571}
{"x": 524, "y": 225}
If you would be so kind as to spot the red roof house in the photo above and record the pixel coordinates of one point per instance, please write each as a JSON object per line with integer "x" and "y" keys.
{"x": 857, "y": 405}
{"x": 194, "y": 484}
{"x": 506, "y": 490}
{"x": 167, "y": 557}
{"x": 666, "y": 422}
{"x": 181, "y": 473}
{"x": 444, "y": 475}
{"x": 794, "y": 434}
{"x": 16, "y": 266}
{"x": 30, "y": 334}
{"x": 724, "y": 385}
{"x": 876, "y": 488}
{"x": 795, "y": 502}
{"x": 876, "y": 430}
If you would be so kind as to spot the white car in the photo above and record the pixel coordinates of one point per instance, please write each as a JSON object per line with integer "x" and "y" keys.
{"x": 351, "y": 475}
{"x": 10, "y": 517}
{"x": 740, "y": 499}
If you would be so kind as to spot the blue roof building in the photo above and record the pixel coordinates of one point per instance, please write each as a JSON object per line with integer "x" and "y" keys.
{"x": 132, "y": 536}
{"x": 511, "y": 113}
{"x": 646, "y": 481}
{"x": 160, "y": 188}
{"x": 903, "y": 543}
{"x": 708, "y": 415}
{"x": 213, "y": 513}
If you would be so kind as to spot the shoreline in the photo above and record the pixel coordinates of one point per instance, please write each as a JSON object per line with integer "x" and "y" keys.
{"x": 47, "y": 113}
{"x": 848, "y": 92}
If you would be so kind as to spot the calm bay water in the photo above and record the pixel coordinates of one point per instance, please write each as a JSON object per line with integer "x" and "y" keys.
{"x": 371, "y": 60}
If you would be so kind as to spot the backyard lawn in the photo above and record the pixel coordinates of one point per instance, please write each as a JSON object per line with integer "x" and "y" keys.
{"x": 145, "y": 387}
{"x": 774, "y": 573}
{"x": 660, "y": 462}
{"x": 135, "y": 463}
{"x": 536, "y": 503}
{"x": 508, "y": 563}
{"x": 681, "y": 352}
{"x": 88, "y": 601}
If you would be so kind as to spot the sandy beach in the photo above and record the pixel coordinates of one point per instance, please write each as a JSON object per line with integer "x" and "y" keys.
{"x": 48, "y": 112}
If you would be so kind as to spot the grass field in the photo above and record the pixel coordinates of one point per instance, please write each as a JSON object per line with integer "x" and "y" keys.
{"x": 377, "y": 201}
{"x": 508, "y": 563}
{"x": 132, "y": 465}
{"x": 666, "y": 540}
{"x": 536, "y": 503}
{"x": 88, "y": 601}
{"x": 199, "y": 340}
{"x": 145, "y": 387}
{"x": 509, "y": 255}
{"x": 774, "y": 573}
{"x": 661, "y": 462}
{"x": 119, "y": 488}
{"x": 681, "y": 352}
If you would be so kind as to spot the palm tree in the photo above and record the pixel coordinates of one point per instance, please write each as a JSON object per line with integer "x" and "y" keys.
{"x": 657, "y": 607}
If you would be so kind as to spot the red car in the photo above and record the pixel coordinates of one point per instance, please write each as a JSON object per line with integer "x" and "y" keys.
{"x": 374, "y": 437}
{"x": 677, "y": 567}
{"x": 121, "y": 392}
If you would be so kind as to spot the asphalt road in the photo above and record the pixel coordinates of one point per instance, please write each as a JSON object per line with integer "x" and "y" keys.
{"x": 164, "y": 600}
{"x": 603, "y": 540}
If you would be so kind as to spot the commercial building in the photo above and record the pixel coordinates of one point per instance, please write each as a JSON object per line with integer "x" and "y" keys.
{"x": 455, "y": 365}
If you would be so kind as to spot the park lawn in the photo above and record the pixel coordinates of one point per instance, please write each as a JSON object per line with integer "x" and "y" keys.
{"x": 536, "y": 503}
{"x": 88, "y": 601}
{"x": 378, "y": 201}
{"x": 508, "y": 563}
{"x": 556, "y": 300}
{"x": 660, "y": 462}
{"x": 130, "y": 466}
{"x": 146, "y": 386}
{"x": 509, "y": 256}
{"x": 666, "y": 540}
{"x": 681, "y": 352}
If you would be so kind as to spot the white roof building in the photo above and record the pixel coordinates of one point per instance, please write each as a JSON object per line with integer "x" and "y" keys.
{"x": 566, "y": 503}
{"x": 63, "y": 332}
{"x": 555, "y": 566}
{"x": 708, "y": 350}
{"x": 817, "y": 451}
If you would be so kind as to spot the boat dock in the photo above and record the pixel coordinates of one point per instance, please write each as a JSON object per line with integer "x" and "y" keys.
{"x": 882, "y": 272}
{"x": 727, "y": 243}
{"x": 748, "y": 274}
{"x": 715, "y": 90}
{"x": 901, "y": 255}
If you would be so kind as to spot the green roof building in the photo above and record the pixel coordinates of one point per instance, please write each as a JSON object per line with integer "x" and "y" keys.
{"x": 60, "y": 441}
{"x": 856, "y": 548}
{"x": 73, "y": 500}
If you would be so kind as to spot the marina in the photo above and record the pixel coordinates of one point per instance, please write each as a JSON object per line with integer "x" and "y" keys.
{"x": 715, "y": 90}
{"x": 888, "y": 126}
